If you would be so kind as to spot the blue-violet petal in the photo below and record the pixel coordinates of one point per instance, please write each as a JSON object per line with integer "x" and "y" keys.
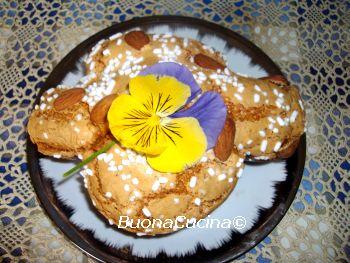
{"x": 176, "y": 70}
{"x": 210, "y": 110}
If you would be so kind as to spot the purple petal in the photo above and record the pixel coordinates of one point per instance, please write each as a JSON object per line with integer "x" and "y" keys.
{"x": 210, "y": 110}
{"x": 178, "y": 71}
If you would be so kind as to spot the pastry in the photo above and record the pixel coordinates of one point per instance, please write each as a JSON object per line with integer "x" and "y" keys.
{"x": 124, "y": 188}
{"x": 62, "y": 130}
{"x": 183, "y": 124}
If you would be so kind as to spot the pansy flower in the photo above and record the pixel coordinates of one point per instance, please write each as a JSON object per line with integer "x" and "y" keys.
{"x": 152, "y": 119}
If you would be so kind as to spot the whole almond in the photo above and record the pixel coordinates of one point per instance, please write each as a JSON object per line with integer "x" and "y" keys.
{"x": 207, "y": 62}
{"x": 68, "y": 98}
{"x": 137, "y": 39}
{"x": 225, "y": 142}
{"x": 277, "y": 79}
{"x": 99, "y": 111}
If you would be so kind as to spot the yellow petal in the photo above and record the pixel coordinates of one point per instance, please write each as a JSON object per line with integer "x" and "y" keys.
{"x": 161, "y": 95}
{"x": 188, "y": 144}
{"x": 134, "y": 127}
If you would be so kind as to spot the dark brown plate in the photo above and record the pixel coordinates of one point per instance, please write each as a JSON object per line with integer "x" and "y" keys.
{"x": 239, "y": 243}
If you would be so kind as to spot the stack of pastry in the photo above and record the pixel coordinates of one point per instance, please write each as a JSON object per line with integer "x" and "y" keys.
{"x": 264, "y": 120}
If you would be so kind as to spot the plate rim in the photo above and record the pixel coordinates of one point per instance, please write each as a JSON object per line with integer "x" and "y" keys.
{"x": 54, "y": 211}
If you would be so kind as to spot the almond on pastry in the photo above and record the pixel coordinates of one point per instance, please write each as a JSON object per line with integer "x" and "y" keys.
{"x": 99, "y": 111}
{"x": 207, "y": 62}
{"x": 225, "y": 142}
{"x": 136, "y": 39}
{"x": 68, "y": 98}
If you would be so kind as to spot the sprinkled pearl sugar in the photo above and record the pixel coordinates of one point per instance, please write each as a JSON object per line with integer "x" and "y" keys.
{"x": 257, "y": 88}
{"x": 240, "y": 88}
{"x": 92, "y": 65}
{"x": 42, "y": 106}
{"x": 176, "y": 200}
{"x": 126, "y": 188}
{"x": 197, "y": 201}
{"x": 115, "y": 36}
{"x": 262, "y": 133}
{"x": 108, "y": 157}
{"x": 271, "y": 120}
{"x": 137, "y": 193}
{"x": 239, "y": 97}
{"x": 239, "y": 173}
{"x": 163, "y": 180}
{"x": 45, "y": 135}
{"x": 211, "y": 171}
{"x": 106, "y": 52}
{"x": 155, "y": 186}
{"x": 256, "y": 98}
{"x": 146, "y": 212}
{"x": 79, "y": 117}
{"x": 101, "y": 156}
{"x": 135, "y": 181}
{"x": 85, "y": 183}
{"x": 108, "y": 194}
{"x": 193, "y": 181}
{"x": 128, "y": 212}
{"x": 222, "y": 177}
{"x": 204, "y": 159}
{"x": 280, "y": 121}
{"x": 277, "y": 146}
{"x": 49, "y": 91}
{"x": 89, "y": 172}
{"x": 293, "y": 116}
{"x": 263, "y": 145}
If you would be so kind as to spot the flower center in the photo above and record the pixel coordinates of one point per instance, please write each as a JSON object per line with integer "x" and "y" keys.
{"x": 154, "y": 120}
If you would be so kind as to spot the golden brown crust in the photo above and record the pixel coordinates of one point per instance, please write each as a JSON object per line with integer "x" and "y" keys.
{"x": 251, "y": 101}
{"x": 247, "y": 99}
{"x": 122, "y": 184}
{"x": 267, "y": 114}
{"x": 62, "y": 133}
